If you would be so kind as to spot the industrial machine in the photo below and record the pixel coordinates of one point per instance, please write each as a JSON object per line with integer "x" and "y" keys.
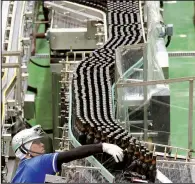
{"x": 109, "y": 68}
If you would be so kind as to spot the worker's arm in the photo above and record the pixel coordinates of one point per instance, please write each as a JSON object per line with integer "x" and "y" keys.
{"x": 78, "y": 153}
{"x": 88, "y": 150}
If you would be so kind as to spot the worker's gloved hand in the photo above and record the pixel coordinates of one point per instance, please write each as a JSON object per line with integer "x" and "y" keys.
{"x": 113, "y": 150}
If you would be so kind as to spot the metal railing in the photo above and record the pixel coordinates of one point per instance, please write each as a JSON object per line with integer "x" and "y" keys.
{"x": 18, "y": 66}
{"x": 14, "y": 59}
{"x": 129, "y": 83}
{"x": 8, "y": 84}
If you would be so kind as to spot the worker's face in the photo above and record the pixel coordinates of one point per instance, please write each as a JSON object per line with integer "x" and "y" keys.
{"x": 37, "y": 146}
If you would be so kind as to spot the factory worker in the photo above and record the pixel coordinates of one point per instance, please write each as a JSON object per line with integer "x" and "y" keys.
{"x": 35, "y": 164}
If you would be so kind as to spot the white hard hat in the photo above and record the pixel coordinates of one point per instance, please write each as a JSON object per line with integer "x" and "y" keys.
{"x": 26, "y": 136}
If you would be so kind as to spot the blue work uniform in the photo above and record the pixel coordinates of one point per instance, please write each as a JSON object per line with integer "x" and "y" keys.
{"x": 34, "y": 170}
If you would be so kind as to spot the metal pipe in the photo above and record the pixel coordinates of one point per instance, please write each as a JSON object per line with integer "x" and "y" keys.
{"x": 79, "y": 166}
{"x": 145, "y": 78}
{"x": 19, "y": 82}
{"x": 69, "y": 62}
{"x": 10, "y": 65}
{"x": 11, "y": 53}
{"x": 40, "y": 35}
{"x": 190, "y": 121}
{"x": 167, "y": 155}
{"x": 153, "y": 82}
{"x": 150, "y": 134}
{"x": 163, "y": 145}
{"x": 175, "y": 162}
{"x": 62, "y": 8}
{"x": 135, "y": 80}
{"x": 138, "y": 122}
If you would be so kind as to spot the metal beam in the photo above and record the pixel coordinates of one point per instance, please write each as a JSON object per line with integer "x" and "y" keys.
{"x": 163, "y": 145}
{"x": 11, "y": 53}
{"x": 145, "y": 90}
{"x": 162, "y": 178}
{"x": 138, "y": 122}
{"x": 65, "y": 9}
{"x": 128, "y": 83}
{"x": 190, "y": 120}
{"x": 80, "y": 166}
{"x": 19, "y": 72}
{"x": 176, "y": 162}
{"x": 149, "y": 134}
{"x": 10, "y": 65}
{"x": 19, "y": 82}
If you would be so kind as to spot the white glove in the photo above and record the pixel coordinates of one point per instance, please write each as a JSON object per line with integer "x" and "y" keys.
{"x": 113, "y": 150}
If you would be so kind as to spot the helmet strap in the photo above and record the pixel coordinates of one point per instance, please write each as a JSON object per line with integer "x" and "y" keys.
{"x": 24, "y": 150}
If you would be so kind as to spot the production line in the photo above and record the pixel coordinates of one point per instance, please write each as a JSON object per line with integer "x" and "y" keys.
{"x": 98, "y": 49}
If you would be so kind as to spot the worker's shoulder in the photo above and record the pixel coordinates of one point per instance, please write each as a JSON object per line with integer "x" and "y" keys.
{"x": 48, "y": 155}
{"x": 38, "y": 159}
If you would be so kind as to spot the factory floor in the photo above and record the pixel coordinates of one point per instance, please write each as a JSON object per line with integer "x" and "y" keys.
{"x": 180, "y": 14}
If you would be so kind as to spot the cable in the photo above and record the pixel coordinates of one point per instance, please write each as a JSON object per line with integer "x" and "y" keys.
{"x": 32, "y": 89}
{"x": 168, "y": 41}
{"x": 166, "y": 104}
{"x": 43, "y": 66}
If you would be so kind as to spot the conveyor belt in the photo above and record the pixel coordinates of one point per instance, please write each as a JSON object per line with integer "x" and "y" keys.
{"x": 124, "y": 28}
{"x": 10, "y": 73}
{"x": 94, "y": 76}
{"x": 17, "y": 32}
